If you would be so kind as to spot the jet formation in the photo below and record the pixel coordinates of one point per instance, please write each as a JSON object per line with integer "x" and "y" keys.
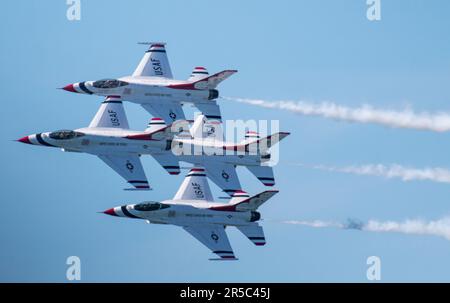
{"x": 170, "y": 139}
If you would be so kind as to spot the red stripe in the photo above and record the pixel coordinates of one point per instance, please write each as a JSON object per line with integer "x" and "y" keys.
{"x": 140, "y": 137}
{"x": 197, "y": 169}
{"x": 240, "y": 192}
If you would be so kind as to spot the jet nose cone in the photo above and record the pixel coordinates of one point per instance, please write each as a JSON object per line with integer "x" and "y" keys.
{"x": 69, "y": 88}
{"x": 110, "y": 212}
{"x": 25, "y": 139}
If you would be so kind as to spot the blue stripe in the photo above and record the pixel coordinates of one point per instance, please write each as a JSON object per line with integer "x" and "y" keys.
{"x": 118, "y": 102}
{"x": 41, "y": 141}
{"x": 127, "y": 213}
{"x": 83, "y": 88}
{"x": 213, "y": 117}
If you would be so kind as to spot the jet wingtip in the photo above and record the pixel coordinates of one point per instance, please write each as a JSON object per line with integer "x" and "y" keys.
{"x": 138, "y": 189}
{"x": 223, "y": 259}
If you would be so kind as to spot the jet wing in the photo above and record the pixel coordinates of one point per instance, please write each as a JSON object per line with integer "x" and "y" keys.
{"x": 168, "y": 111}
{"x": 110, "y": 114}
{"x": 130, "y": 168}
{"x": 264, "y": 174}
{"x": 214, "y": 237}
{"x": 169, "y": 162}
{"x": 154, "y": 63}
{"x": 224, "y": 175}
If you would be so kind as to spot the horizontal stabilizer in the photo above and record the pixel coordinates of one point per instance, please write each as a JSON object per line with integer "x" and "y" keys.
{"x": 254, "y": 202}
{"x": 264, "y": 174}
{"x": 209, "y": 82}
{"x": 169, "y": 162}
{"x": 262, "y": 145}
{"x": 254, "y": 233}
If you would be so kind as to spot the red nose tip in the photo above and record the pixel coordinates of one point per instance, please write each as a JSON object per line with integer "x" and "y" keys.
{"x": 110, "y": 212}
{"x": 25, "y": 140}
{"x": 70, "y": 88}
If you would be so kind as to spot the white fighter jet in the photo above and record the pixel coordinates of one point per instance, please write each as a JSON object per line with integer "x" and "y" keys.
{"x": 108, "y": 136}
{"x": 152, "y": 86}
{"x": 193, "y": 209}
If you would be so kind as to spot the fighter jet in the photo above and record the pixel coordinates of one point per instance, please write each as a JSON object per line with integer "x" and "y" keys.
{"x": 108, "y": 136}
{"x": 193, "y": 209}
{"x": 152, "y": 86}
{"x": 205, "y": 145}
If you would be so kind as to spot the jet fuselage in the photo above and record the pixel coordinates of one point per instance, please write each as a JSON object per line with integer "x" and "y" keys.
{"x": 143, "y": 90}
{"x": 99, "y": 141}
{"x": 185, "y": 213}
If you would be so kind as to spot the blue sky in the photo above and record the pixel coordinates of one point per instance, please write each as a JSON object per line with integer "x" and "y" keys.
{"x": 313, "y": 50}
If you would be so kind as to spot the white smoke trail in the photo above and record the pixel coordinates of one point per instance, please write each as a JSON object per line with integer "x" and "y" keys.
{"x": 435, "y": 174}
{"x": 440, "y": 227}
{"x": 315, "y": 223}
{"x": 407, "y": 118}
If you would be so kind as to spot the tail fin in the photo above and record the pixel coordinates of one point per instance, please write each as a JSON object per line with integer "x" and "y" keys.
{"x": 243, "y": 203}
{"x": 198, "y": 73}
{"x": 207, "y": 129}
{"x": 195, "y": 186}
{"x": 264, "y": 174}
{"x": 155, "y": 124}
{"x": 110, "y": 114}
{"x": 154, "y": 63}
